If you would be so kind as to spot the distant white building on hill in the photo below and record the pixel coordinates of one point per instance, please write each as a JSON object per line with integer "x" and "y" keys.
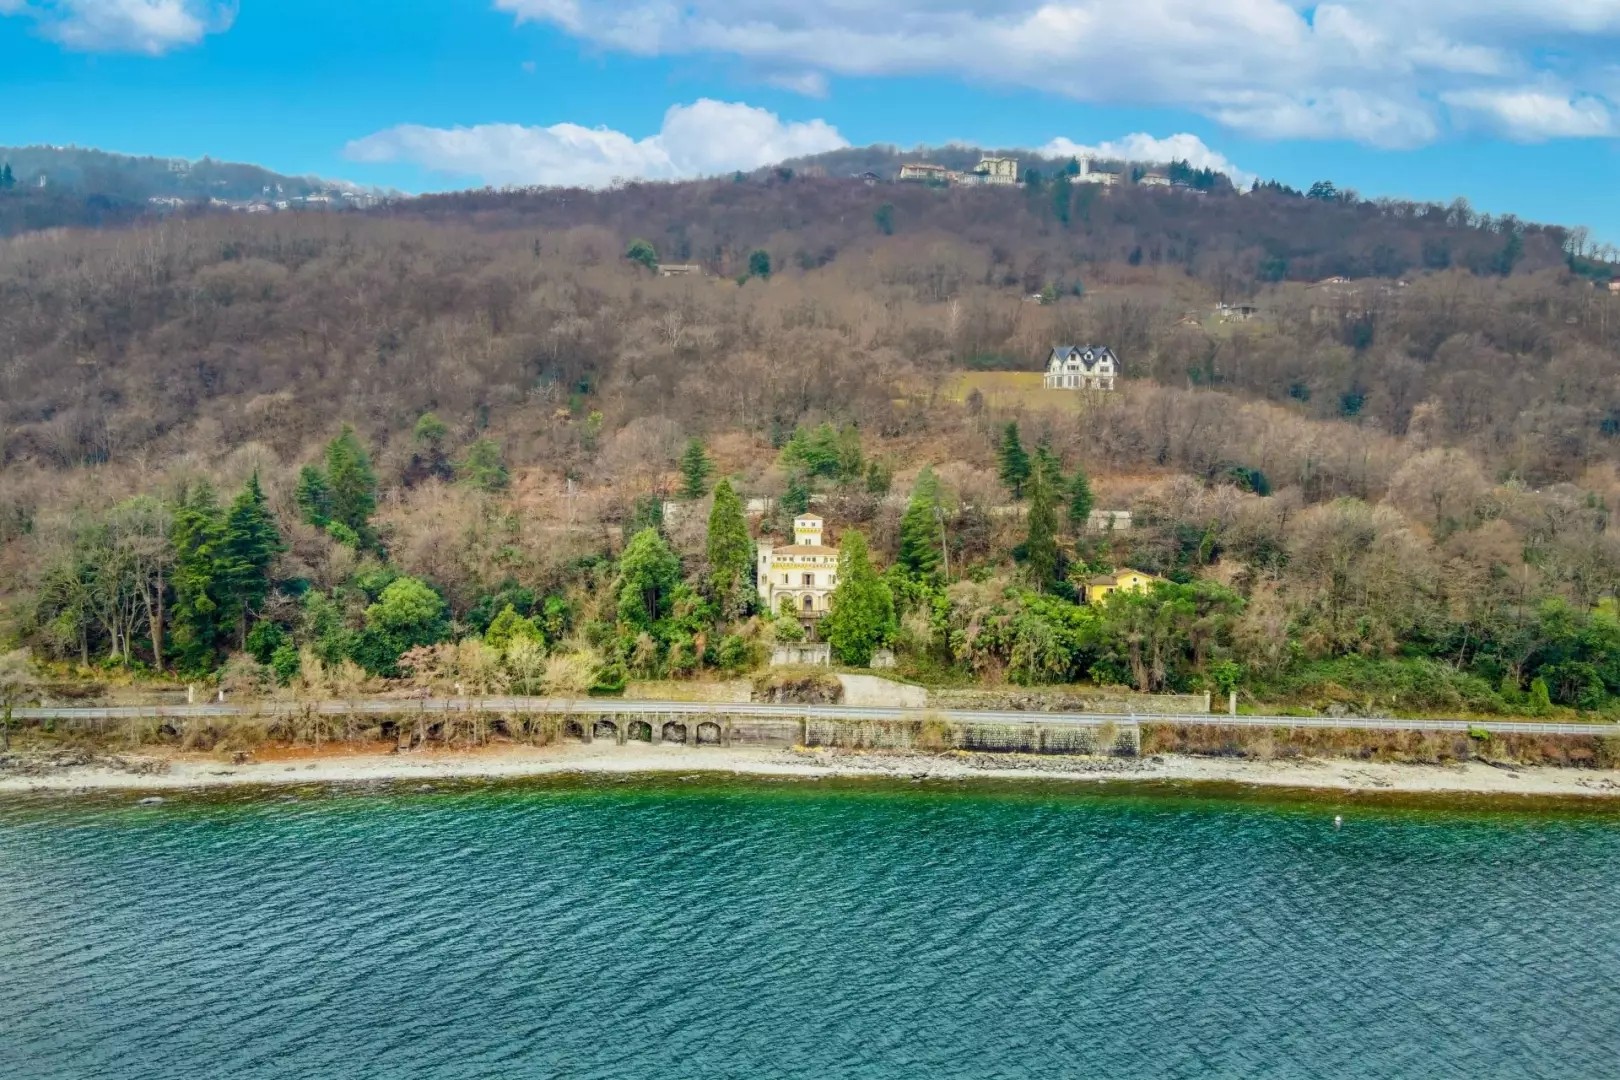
{"x": 1081, "y": 367}
{"x": 1105, "y": 179}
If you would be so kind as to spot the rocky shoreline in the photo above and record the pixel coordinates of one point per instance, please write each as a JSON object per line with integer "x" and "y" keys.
{"x": 81, "y": 772}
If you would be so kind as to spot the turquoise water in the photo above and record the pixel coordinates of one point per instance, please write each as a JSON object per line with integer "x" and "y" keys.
{"x": 732, "y": 929}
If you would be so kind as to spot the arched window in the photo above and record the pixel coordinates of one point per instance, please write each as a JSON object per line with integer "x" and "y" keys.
{"x": 809, "y": 602}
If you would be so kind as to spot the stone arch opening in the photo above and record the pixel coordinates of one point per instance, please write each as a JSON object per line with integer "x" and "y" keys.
{"x": 674, "y": 732}
{"x": 605, "y": 729}
{"x": 641, "y": 731}
{"x": 809, "y": 602}
{"x": 573, "y": 729}
{"x": 708, "y": 733}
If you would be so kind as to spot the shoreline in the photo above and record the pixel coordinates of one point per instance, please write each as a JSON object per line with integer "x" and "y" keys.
{"x": 164, "y": 772}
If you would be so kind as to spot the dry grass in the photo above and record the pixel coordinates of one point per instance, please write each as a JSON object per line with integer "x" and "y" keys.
{"x": 934, "y": 734}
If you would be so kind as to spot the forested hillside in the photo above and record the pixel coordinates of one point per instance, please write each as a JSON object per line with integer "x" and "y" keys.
{"x": 43, "y": 187}
{"x": 1390, "y": 492}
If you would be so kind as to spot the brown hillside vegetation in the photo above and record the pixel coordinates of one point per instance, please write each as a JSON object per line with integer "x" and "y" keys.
{"x": 1422, "y": 458}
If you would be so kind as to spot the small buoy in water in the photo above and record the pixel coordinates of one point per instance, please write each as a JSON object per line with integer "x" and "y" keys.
{"x": 1338, "y": 821}
{"x": 151, "y": 800}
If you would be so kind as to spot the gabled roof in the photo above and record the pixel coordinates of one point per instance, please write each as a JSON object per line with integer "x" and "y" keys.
{"x": 1113, "y": 579}
{"x": 1088, "y": 356}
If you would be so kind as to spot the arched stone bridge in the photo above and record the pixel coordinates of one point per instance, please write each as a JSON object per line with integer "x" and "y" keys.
{"x": 697, "y": 729}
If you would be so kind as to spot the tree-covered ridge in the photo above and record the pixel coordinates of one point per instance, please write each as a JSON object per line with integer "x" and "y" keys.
{"x": 1408, "y": 486}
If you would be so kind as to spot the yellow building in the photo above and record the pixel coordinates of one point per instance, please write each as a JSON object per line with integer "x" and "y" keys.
{"x": 804, "y": 573}
{"x": 1099, "y": 587}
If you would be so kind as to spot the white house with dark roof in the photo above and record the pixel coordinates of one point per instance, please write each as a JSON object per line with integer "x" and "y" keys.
{"x": 1081, "y": 367}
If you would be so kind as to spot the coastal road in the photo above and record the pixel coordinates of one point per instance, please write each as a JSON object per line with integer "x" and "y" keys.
{"x": 621, "y": 707}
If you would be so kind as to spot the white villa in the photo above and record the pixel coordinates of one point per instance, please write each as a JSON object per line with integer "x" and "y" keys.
{"x": 1081, "y": 367}
{"x": 803, "y": 574}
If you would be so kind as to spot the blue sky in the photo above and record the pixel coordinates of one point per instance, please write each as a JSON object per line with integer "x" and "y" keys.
{"x": 1506, "y": 102}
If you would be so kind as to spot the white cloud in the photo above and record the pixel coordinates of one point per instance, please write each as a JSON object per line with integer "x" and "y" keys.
{"x": 1377, "y": 71}
{"x": 702, "y": 139}
{"x": 1147, "y": 148}
{"x": 153, "y": 27}
{"x": 809, "y": 83}
{"x": 1533, "y": 115}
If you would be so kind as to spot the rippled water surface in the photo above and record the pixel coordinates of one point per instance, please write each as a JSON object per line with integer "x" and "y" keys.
{"x": 725, "y": 929}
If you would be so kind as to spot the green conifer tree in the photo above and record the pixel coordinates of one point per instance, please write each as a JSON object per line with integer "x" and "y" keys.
{"x": 199, "y": 532}
{"x": 796, "y": 499}
{"x": 920, "y": 529}
{"x": 351, "y": 484}
{"x": 862, "y": 617}
{"x": 249, "y": 544}
{"x": 696, "y": 468}
{"x": 1013, "y": 460}
{"x": 1080, "y": 500}
{"x": 731, "y": 551}
{"x": 1041, "y": 555}
{"x": 1052, "y": 464}
{"x": 7, "y": 179}
{"x": 313, "y": 497}
{"x": 640, "y": 251}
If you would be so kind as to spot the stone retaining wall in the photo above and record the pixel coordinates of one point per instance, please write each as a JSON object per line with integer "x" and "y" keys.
{"x": 1122, "y": 739}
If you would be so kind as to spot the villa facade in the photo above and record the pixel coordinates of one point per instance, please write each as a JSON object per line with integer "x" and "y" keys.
{"x": 1081, "y": 367}
{"x": 801, "y": 575}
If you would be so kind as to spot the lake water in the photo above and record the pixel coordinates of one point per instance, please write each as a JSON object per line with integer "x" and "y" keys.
{"x": 718, "y": 928}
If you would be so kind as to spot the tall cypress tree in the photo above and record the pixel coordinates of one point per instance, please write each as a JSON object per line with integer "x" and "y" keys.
{"x": 862, "y": 617}
{"x": 919, "y": 528}
{"x": 199, "y": 532}
{"x": 250, "y": 542}
{"x": 1080, "y": 500}
{"x": 1014, "y": 461}
{"x": 695, "y": 471}
{"x": 1040, "y": 548}
{"x": 731, "y": 551}
{"x": 351, "y": 485}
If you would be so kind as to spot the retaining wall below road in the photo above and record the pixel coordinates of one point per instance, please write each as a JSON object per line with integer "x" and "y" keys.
{"x": 1123, "y": 738}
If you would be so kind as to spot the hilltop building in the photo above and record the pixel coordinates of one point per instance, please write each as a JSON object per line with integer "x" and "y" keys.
{"x": 923, "y": 172}
{"x": 1102, "y": 586}
{"x": 991, "y": 169}
{"x": 801, "y": 575}
{"x": 1081, "y": 367}
{"x": 996, "y": 170}
{"x": 1086, "y": 176}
